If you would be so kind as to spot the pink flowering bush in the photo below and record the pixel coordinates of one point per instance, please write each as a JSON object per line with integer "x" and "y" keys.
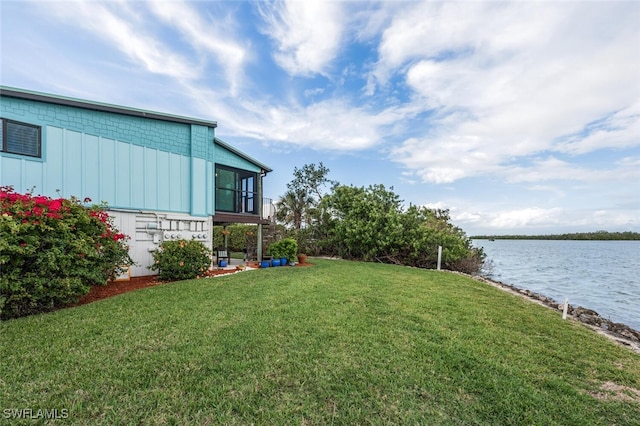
{"x": 53, "y": 250}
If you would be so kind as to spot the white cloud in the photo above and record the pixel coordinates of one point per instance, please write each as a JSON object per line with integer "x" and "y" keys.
{"x": 211, "y": 36}
{"x": 548, "y": 169}
{"x": 620, "y": 130}
{"x": 630, "y": 162}
{"x": 332, "y": 124}
{"x": 327, "y": 125}
{"x": 443, "y": 160}
{"x": 543, "y": 72}
{"x": 534, "y": 220}
{"x": 484, "y": 219}
{"x": 552, "y": 168}
{"x": 181, "y": 50}
{"x": 570, "y": 209}
{"x": 307, "y": 33}
{"x": 527, "y": 217}
{"x": 469, "y": 217}
{"x": 312, "y": 92}
{"x": 124, "y": 27}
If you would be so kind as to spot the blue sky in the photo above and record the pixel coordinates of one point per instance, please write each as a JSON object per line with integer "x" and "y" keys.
{"x": 519, "y": 117}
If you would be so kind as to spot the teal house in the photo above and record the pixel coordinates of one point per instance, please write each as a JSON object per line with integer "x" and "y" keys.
{"x": 163, "y": 176}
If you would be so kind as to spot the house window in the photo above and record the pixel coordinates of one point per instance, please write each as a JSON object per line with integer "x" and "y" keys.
{"x": 20, "y": 138}
{"x": 236, "y": 190}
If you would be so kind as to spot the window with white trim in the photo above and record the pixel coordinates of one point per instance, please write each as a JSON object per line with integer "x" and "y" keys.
{"x": 21, "y": 138}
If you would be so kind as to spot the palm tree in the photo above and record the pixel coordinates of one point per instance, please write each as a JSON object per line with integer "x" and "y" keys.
{"x": 294, "y": 208}
{"x": 298, "y": 207}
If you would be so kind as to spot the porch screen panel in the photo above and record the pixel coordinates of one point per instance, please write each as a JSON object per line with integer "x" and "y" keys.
{"x": 248, "y": 194}
{"x": 225, "y": 190}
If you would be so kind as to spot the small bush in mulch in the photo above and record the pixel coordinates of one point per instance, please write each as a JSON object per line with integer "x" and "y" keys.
{"x": 181, "y": 260}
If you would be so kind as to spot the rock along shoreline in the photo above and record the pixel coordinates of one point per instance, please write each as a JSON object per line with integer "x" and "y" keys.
{"x": 620, "y": 333}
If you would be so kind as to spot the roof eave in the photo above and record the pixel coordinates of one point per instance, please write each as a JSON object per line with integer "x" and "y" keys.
{"x": 98, "y": 106}
{"x": 263, "y": 167}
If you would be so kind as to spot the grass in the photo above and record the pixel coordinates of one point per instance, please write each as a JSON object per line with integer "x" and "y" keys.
{"x": 338, "y": 343}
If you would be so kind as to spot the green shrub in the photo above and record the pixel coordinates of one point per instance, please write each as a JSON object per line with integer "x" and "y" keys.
{"x": 237, "y": 237}
{"x": 287, "y": 247}
{"x": 274, "y": 250}
{"x": 53, "y": 250}
{"x": 371, "y": 224}
{"x": 240, "y": 236}
{"x": 181, "y": 260}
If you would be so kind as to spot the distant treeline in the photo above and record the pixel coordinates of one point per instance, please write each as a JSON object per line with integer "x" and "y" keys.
{"x": 598, "y": 235}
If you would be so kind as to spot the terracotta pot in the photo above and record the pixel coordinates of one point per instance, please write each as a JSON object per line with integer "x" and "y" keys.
{"x": 302, "y": 258}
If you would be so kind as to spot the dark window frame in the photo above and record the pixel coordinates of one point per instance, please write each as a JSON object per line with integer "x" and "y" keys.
{"x": 244, "y": 200}
{"x": 5, "y": 143}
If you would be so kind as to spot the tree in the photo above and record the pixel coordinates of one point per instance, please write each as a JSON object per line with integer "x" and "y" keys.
{"x": 310, "y": 180}
{"x": 361, "y": 223}
{"x": 292, "y": 208}
{"x": 298, "y": 206}
{"x": 371, "y": 224}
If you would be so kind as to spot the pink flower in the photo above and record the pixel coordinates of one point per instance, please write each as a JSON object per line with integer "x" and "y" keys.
{"x": 55, "y": 205}
{"x": 40, "y": 199}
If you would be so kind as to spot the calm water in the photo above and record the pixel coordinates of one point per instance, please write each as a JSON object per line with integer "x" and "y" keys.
{"x": 599, "y": 275}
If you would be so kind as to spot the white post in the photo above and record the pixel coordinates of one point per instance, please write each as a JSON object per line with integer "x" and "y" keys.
{"x": 564, "y": 309}
{"x": 439, "y": 256}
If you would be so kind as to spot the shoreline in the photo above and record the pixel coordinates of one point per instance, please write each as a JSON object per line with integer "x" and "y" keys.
{"x": 620, "y": 333}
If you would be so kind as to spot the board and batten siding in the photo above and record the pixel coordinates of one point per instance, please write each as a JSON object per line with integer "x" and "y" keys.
{"x": 155, "y": 134}
{"x": 128, "y": 162}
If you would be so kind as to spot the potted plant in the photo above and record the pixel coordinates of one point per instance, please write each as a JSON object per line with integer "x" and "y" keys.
{"x": 283, "y": 250}
{"x": 302, "y": 258}
{"x": 275, "y": 250}
{"x": 289, "y": 249}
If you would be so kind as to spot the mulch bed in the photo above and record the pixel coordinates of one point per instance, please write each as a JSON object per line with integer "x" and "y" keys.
{"x": 114, "y": 288}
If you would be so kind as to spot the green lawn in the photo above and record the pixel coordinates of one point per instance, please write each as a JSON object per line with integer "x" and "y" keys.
{"x": 338, "y": 343}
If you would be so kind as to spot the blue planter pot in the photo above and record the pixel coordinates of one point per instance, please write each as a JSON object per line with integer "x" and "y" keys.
{"x": 283, "y": 261}
{"x": 222, "y": 263}
{"x": 264, "y": 264}
{"x": 275, "y": 262}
